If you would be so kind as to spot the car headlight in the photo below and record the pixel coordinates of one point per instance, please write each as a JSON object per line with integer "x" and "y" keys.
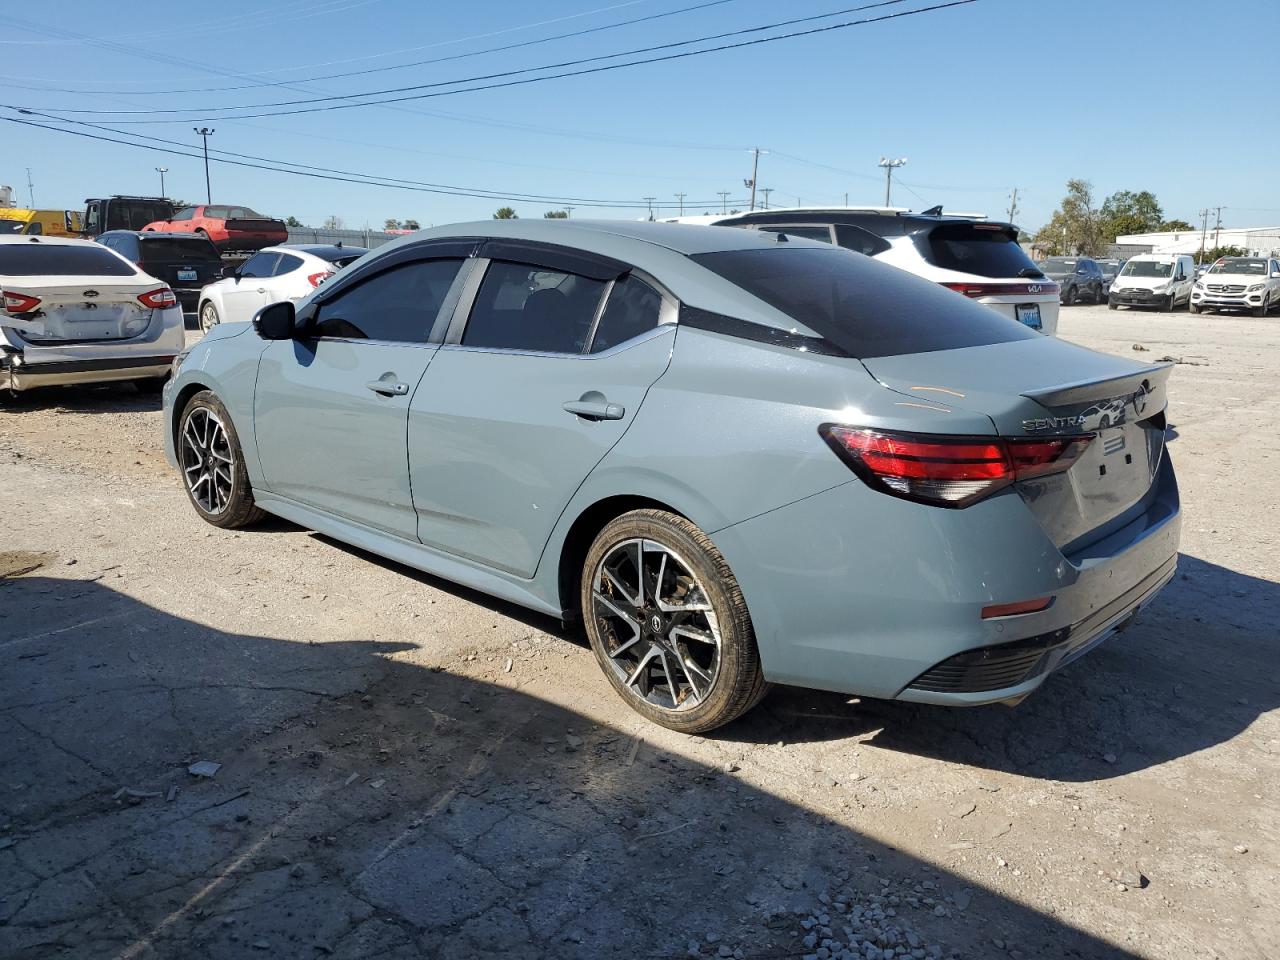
{"x": 1197, "y": 285}
{"x": 1256, "y": 287}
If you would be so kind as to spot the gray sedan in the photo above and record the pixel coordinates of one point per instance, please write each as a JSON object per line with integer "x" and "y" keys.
{"x": 736, "y": 457}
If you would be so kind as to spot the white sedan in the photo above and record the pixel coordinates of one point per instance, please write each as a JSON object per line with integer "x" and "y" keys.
{"x": 269, "y": 276}
{"x": 76, "y": 312}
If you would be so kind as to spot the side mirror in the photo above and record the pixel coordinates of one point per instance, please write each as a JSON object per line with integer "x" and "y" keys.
{"x": 228, "y": 271}
{"x": 275, "y": 322}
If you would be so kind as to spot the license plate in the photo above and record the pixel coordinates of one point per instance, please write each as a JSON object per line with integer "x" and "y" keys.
{"x": 1029, "y": 313}
{"x": 188, "y": 275}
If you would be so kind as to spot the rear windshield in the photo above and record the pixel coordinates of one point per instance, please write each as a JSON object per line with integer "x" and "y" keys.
{"x": 11, "y": 226}
{"x": 862, "y": 306}
{"x": 186, "y": 249}
{"x": 1147, "y": 268}
{"x": 976, "y": 249}
{"x": 1250, "y": 266}
{"x": 60, "y": 260}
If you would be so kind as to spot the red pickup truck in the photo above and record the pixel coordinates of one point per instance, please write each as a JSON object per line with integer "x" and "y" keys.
{"x": 230, "y": 228}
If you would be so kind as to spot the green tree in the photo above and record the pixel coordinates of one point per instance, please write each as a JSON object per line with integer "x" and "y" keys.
{"x": 412, "y": 225}
{"x": 1179, "y": 226}
{"x": 556, "y": 215}
{"x": 505, "y": 213}
{"x": 1074, "y": 225}
{"x": 1216, "y": 252}
{"x": 292, "y": 222}
{"x": 1126, "y": 212}
{"x": 391, "y": 223}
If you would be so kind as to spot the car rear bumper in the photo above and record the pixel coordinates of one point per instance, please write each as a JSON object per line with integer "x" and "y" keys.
{"x": 1008, "y": 306}
{"x": 858, "y": 593}
{"x": 17, "y": 375}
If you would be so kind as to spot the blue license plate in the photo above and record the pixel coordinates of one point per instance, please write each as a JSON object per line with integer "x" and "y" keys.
{"x": 1029, "y": 313}
{"x": 188, "y": 275}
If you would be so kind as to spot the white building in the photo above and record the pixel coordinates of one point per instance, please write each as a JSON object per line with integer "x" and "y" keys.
{"x": 6, "y": 197}
{"x": 1258, "y": 241}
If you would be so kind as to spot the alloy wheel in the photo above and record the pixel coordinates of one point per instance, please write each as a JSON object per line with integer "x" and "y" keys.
{"x": 208, "y": 463}
{"x": 208, "y": 317}
{"x": 657, "y": 624}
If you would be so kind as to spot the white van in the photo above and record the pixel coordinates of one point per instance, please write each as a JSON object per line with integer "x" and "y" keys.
{"x": 1161, "y": 280}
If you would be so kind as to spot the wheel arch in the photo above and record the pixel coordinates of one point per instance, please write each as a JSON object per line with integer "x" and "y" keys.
{"x": 180, "y": 401}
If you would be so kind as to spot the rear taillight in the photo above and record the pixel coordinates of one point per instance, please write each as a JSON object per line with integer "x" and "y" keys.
{"x": 975, "y": 290}
{"x": 20, "y": 302}
{"x": 948, "y": 471}
{"x": 160, "y": 299}
{"x": 318, "y": 278}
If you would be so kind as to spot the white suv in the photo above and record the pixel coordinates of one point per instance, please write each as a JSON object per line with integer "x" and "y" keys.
{"x": 965, "y": 253}
{"x": 1241, "y": 283}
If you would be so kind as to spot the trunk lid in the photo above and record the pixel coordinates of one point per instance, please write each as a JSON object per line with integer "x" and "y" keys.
{"x": 263, "y": 225}
{"x": 82, "y": 309}
{"x": 1045, "y": 387}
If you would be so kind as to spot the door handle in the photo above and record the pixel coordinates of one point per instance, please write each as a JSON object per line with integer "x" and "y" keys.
{"x": 388, "y": 388}
{"x": 595, "y": 409}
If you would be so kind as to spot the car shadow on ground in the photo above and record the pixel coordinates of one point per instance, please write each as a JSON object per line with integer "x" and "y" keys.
{"x": 1194, "y": 670}
{"x": 120, "y": 397}
{"x": 367, "y": 807}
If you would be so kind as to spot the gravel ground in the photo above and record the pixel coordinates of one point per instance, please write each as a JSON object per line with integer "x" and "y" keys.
{"x": 409, "y": 769}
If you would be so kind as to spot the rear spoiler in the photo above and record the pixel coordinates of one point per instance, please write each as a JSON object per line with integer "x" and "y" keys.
{"x": 1147, "y": 380}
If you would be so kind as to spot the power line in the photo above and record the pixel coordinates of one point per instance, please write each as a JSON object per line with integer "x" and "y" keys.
{"x": 328, "y": 103}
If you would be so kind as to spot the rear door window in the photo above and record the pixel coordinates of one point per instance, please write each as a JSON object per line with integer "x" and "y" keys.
{"x": 59, "y": 260}
{"x": 523, "y": 307}
{"x": 979, "y": 249}
{"x": 398, "y": 305}
{"x": 259, "y": 265}
{"x": 862, "y": 306}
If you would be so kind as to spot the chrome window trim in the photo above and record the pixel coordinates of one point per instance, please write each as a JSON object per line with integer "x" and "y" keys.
{"x": 649, "y": 334}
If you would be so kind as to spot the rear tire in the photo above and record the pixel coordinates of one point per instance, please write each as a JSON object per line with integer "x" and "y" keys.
{"x": 668, "y": 623}
{"x": 208, "y": 316}
{"x": 212, "y": 465}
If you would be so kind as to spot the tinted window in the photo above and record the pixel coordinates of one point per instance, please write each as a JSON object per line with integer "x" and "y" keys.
{"x": 633, "y": 308}
{"x": 11, "y": 226}
{"x": 808, "y": 233}
{"x": 520, "y": 307}
{"x": 1244, "y": 265}
{"x": 862, "y": 306}
{"x": 161, "y": 248}
{"x": 36, "y": 227}
{"x": 231, "y": 213}
{"x": 186, "y": 213}
{"x": 976, "y": 249}
{"x": 400, "y": 304}
{"x": 59, "y": 260}
{"x": 859, "y": 240}
{"x": 259, "y": 265}
{"x": 288, "y": 263}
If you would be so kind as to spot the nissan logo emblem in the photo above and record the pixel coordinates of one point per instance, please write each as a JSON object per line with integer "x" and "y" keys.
{"x": 90, "y": 294}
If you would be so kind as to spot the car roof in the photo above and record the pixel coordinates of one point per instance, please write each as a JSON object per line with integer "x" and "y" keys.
{"x": 325, "y": 251}
{"x": 47, "y": 239}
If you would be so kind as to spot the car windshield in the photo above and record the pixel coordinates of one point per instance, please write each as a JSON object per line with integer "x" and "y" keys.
{"x": 1148, "y": 268}
{"x": 60, "y": 260}
{"x": 1248, "y": 266}
{"x": 1057, "y": 265}
{"x": 862, "y": 306}
{"x": 984, "y": 250}
{"x": 11, "y": 226}
{"x": 187, "y": 249}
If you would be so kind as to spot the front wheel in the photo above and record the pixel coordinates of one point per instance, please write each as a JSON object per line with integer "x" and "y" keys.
{"x": 212, "y": 464}
{"x": 1111, "y": 304}
{"x": 1167, "y": 306}
{"x": 1194, "y": 308}
{"x": 1099, "y": 297}
{"x": 208, "y": 316}
{"x": 1069, "y": 298}
{"x": 668, "y": 623}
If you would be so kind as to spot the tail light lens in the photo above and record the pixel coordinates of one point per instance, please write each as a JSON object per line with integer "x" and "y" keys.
{"x": 975, "y": 290}
{"x": 948, "y": 471}
{"x": 19, "y": 302}
{"x": 160, "y": 299}
{"x": 318, "y": 278}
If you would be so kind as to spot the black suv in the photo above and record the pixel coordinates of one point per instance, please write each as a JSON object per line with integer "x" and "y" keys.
{"x": 185, "y": 261}
{"x": 1079, "y": 278}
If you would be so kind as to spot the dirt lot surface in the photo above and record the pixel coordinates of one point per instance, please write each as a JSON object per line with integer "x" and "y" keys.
{"x": 409, "y": 770}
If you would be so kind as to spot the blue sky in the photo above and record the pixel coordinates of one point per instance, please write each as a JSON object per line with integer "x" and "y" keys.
{"x": 979, "y": 98}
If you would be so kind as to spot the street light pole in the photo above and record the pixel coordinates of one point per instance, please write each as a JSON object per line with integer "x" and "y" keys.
{"x": 162, "y": 171}
{"x": 724, "y": 200}
{"x": 889, "y": 167}
{"x": 205, "y": 133}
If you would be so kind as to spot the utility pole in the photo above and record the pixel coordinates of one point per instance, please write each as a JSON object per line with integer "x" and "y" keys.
{"x": 766, "y": 191}
{"x": 568, "y": 213}
{"x": 846, "y": 198}
{"x": 755, "y": 171}
{"x": 1013, "y": 204}
{"x": 31, "y": 190}
{"x": 724, "y": 200}
{"x": 205, "y": 133}
{"x": 1217, "y": 228}
{"x": 650, "y": 202}
{"x": 162, "y": 171}
{"x": 889, "y": 167}
{"x": 1204, "y": 231}
{"x": 681, "y": 197}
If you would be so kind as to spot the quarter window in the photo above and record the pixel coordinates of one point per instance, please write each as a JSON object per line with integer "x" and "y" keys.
{"x": 821, "y": 233}
{"x": 522, "y": 307}
{"x": 288, "y": 263}
{"x": 860, "y": 241}
{"x": 633, "y": 308}
{"x": 399, "y": 304}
